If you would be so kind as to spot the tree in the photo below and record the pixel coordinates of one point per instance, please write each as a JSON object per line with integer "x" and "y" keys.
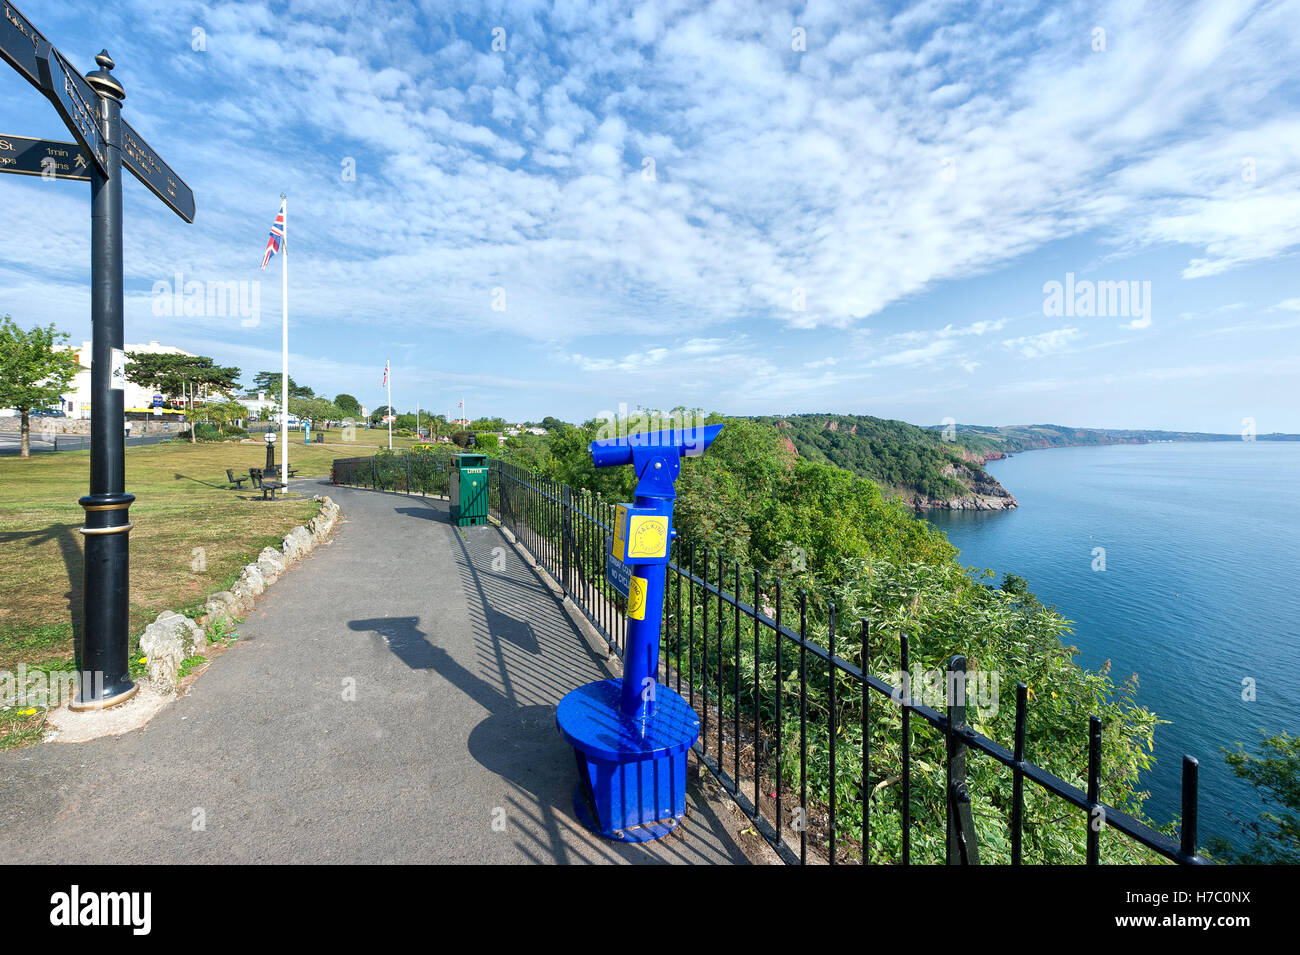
{"x": 35, "y": 370}
{"x": 348, "y": 404}
{"x": 180, "y": 376}
{"x": 268, "y": 382}
{"x": 318, "y": 411}
{"x": 377, "y": 416}
{"x": 225, "y": 413}
{"x": 1275, "y": 835}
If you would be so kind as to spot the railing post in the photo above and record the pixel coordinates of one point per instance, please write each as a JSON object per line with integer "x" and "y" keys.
{"x": 963, "y": 847}
{"x": 408, "y": 472}
{"x": 1188, "y": 824}
{"x": 502, "y": 504}
{"x": 566, "y": 520}
{"x": 1096, "y": 812}
{"x": 374, "y": 472}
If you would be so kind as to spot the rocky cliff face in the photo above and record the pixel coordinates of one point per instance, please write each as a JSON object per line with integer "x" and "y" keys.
{"x": 986, "y": 494}
{"x": 973, "y": 503}
{"x": 984, "y": 458}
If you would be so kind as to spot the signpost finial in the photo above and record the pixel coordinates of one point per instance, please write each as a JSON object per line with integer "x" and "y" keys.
{"x": 103, "y": 81}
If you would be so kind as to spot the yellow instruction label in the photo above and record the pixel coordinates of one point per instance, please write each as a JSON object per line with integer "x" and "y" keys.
{"x": 618, "y": 546}
{"x": 636, "y": 599}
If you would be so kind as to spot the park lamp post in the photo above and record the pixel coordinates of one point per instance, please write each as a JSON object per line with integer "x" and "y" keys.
{"x": 631, "y": 735}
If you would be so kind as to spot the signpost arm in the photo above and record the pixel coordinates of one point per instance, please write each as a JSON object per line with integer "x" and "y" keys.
{"x": 101, "y": 644}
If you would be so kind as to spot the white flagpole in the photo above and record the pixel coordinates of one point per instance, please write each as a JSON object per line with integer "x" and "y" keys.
{"x": 389, "y": 366}
{"x": 284, "y": 357}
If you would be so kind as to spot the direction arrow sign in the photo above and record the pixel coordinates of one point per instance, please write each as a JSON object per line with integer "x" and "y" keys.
{"x": 156, "y": 174}
{"x": 22, "y": 45}
{"x": 76, "y": 102}
{"x": 43, "y": 157}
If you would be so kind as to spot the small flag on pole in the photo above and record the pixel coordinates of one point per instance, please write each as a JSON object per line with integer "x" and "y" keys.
{"x": 276, "y": 239}
{"x": 385, "y": 374}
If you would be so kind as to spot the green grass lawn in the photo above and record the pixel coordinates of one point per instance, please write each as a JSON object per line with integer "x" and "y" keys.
{"x": 183, "y": 502}
{"x": 364, "y": 442}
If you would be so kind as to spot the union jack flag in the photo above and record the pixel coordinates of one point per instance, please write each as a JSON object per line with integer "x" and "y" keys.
{"x": 276, "y": 240}
{"x": 385, "y": 373}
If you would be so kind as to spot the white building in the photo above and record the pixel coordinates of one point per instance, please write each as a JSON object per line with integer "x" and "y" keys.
{"x": 76, "y": 400}
{"x": 261, "y": 406}
{"x": 264, "y": 409}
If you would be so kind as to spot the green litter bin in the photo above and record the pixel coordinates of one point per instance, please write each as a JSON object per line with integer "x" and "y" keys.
{"x": 469, "y": 489}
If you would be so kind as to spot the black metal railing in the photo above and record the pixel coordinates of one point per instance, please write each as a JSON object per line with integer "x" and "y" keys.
{"x": 778, "y": 709}
{"x": 420, "y": 472}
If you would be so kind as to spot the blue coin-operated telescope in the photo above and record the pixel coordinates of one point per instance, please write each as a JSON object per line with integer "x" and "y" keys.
{"x": 631, "y": 735}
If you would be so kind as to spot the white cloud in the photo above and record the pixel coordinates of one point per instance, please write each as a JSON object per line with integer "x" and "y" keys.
{"x": 897, "y": 153}
{"x": 823, "y": 170}
{"x": 1045, "y": 343}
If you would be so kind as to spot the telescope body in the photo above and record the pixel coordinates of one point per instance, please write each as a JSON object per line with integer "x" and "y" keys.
{"x": 631, "y": 735}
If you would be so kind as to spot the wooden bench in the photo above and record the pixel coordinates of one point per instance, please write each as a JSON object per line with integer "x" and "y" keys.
{"x": 274, "y": 471}
{"x": 237, "y": 482}
{"x": 266, "y": 486}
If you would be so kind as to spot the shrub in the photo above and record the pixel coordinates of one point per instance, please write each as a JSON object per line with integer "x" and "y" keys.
{"x": 202, "y": 432}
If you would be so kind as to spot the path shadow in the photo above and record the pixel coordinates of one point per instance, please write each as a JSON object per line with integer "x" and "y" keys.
{"x": 403, "y": 637}
{"x": 65, "y": 537}
{"x": 186, "y": 477}
{"x": 425, "y": 514}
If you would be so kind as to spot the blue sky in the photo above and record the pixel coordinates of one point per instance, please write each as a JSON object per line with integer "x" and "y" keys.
{"x": 868, "y": 224}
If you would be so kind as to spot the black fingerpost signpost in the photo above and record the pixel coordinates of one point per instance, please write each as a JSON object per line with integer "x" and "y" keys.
{"x": 91, "y": 108}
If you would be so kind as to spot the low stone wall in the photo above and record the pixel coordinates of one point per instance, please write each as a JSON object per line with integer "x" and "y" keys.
{"x": 52, "y": 426}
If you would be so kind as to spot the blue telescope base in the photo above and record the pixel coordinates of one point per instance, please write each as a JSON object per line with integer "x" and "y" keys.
{"x": 631, "y": 772}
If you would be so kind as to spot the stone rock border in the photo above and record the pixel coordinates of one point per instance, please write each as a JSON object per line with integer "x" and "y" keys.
{"x": 173, "y": 637}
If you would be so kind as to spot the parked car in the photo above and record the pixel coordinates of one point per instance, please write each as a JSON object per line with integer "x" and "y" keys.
{"x": 46, "y": 413}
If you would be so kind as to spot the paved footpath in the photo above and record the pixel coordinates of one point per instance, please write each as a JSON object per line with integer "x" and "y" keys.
{"x": 458, "y": 653}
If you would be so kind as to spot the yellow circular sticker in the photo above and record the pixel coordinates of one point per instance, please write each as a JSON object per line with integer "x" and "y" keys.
{"x": 636, "y": 599}
{"x": 649, "y": 537}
